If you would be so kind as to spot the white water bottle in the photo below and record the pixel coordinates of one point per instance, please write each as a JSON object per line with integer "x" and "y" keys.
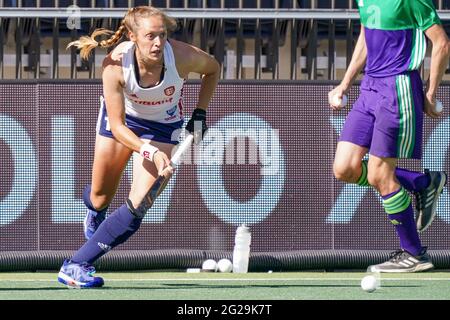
{"x": 241, "y": 252}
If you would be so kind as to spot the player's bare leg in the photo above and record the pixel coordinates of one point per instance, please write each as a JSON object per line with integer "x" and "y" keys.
{"x": 123, "y": 222}
{"x": 381, "y": 174}
{"x": 347, "y": 164}
{"x": 117, "y": 228}
{"x": 412, "y": 257}
{"x": 427, "y": 187}
{"x": 145, "y": 174}
{"x": 110, "y": 160}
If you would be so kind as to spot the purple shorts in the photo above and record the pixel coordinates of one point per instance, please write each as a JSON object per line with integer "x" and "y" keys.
{"x": 387, "y": 118}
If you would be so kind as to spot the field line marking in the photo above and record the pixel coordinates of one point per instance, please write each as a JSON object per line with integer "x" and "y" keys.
{"x": 235, "y": 280}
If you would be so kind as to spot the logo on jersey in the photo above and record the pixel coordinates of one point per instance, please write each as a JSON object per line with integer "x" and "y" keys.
{"x": 172, "y": 112}
{"x": 361, "y": 3}
{"x": 169, "y": 91}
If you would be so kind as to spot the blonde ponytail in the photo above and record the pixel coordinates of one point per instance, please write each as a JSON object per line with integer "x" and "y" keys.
{"x": 129, "y": 23}
{"x": 87, "y": 43}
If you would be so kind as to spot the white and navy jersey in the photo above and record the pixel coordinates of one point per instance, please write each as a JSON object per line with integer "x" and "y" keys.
{"x": 161, "y": 103}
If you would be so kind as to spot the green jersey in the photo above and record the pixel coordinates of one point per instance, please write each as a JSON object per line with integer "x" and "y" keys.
{"x": 394, "y": 34}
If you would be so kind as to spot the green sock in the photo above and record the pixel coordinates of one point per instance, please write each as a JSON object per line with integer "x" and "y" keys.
{"x": 362, "y": 181}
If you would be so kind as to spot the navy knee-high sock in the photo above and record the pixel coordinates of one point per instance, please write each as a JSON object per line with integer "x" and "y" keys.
{"x": 114, "y": 230}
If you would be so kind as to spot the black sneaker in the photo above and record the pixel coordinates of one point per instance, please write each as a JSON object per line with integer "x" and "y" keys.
{"x": 403, "y": 261}
{"x": 427, "y": 200}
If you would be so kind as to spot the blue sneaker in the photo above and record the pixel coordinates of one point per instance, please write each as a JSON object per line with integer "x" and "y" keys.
{"x": 91, "y": 222}
{"x": 78, "y": 275}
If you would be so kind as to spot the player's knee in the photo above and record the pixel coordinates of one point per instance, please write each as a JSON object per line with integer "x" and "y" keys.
{"x": 100, "y": 200}
{"x": 382, "y": 182}
{"x": 375, "y": 179}
{"x": 345, "y": 172}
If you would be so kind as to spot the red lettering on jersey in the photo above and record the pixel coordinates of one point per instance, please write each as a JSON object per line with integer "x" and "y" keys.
{"x": 153, "y": 103}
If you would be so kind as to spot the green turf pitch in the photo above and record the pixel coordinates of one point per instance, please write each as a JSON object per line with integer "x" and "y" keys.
{"x": 219, "y": 286}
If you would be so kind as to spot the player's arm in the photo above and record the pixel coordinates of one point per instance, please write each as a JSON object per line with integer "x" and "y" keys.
{"x": 357, "y": 63}
{"x": 191, "y": 59}
{"x": 114, "y": 100}
{"x": 440, "y": 55}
